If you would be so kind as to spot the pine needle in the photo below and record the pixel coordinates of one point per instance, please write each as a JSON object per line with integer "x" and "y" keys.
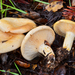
{"x": 17, "y": 68}
{"x": 14, "y": 8}
{"x": 70, "y": 3}
{"x": 12, "y": 3}
{"x": 1, "y": 9}
{"x": 9, "y": 72}
{"x": 41, "y": 1}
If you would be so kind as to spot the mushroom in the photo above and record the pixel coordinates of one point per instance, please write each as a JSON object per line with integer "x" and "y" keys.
{"x": 66, "y": 28}
{"x": 34, "y": 43}
{"x": 9, "y": 41}
{"x": 16, "y": 25}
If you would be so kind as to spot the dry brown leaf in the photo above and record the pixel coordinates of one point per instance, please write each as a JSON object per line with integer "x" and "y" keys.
{"x": 54, "y": 6}
{"x": 22, "y": 64}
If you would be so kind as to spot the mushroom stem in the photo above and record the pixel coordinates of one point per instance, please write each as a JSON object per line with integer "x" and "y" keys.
{"x": 46, "y": 50}
{"x": 69, "y": 38}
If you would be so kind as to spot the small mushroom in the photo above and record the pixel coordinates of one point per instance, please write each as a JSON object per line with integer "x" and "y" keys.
{"x": 9, "y": 41}
{"x": 16, "y": 25}
{"x": 66, "y": 28}
{"x": 34, "y": 43}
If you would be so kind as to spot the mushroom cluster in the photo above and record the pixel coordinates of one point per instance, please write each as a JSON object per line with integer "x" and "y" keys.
{"x": 11, "y": 32}
{"x": 37, "y": 41}
{"x": 33, "y": 44}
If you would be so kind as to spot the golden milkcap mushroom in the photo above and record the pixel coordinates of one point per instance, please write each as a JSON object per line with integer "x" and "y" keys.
{"x": 34, "y": 43}
{"x": 66, "y": 28}
{"x": 9, "y": 41}
{"x": 16, "y": 25}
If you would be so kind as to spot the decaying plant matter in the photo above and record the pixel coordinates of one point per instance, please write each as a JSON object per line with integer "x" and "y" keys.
{"x": 54, "y": 6}
{"x": 69, "y": 13}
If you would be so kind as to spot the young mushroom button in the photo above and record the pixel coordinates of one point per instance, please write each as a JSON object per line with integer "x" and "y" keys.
{"x": 66, "y": 28}
{"x": 34, "y": 43}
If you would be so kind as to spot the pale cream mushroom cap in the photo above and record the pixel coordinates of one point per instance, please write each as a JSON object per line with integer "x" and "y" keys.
{"x": 16, "y": 25}
{"x": 9, "y": 41}
{"x": 62, "y": 26}
{"x": 34, "y": 39}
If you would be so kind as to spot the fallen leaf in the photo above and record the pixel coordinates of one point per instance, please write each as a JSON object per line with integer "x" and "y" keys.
{"x": 22, "y": 64}
{"x": 54, "y": 6}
